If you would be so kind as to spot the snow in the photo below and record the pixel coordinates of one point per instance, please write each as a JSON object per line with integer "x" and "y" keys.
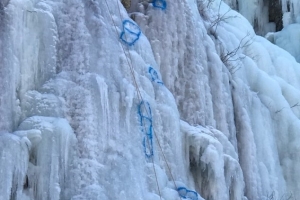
{"x": 48, "y": 172}
{"x": 224, "y": 102}
{"x": 294, "y": 11}
{"x": 288, "y": 40}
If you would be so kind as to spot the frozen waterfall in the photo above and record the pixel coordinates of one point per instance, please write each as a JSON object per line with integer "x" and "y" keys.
{"x": 162, "y": 100}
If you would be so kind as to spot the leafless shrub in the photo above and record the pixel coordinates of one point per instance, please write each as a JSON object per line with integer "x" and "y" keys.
{"x": 220, "y": 18}
{"x": 229, "y": 55}
{"x": 293, "y": 106}
{"x": 205, "y": 4}
{"x": 209, "y": 3}
{"x": 232, "y": 59}
{"x": 287, "y": 196}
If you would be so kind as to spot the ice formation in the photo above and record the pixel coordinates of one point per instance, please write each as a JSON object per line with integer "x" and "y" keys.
{"x": 288, "y": 39}
{"x": 266, "y": 15}
{"x": 189, "y": 104}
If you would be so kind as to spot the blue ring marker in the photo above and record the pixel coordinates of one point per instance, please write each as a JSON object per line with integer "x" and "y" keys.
{"x": 131, "y": 27}
{"x": 147, "y": 111}
{"x": 128, "y": 39}
{"x": 148, "y": 146}
{"x": 145, "y": 114}
{"x": 131, "y": 32}
{"x": 187, "y": 194}
{"x": 146, "y": 125}
{"x": 154, "y": 75}
{"x": 162, "y": 4}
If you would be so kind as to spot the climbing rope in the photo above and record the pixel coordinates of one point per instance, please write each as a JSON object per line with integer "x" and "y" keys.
{"x": 130, "y": 64}
{"x": 141, "y": 98}
{"x": 139, "y": 95}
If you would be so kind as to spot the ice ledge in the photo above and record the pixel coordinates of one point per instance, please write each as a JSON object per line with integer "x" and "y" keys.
{"x": 213, "y": 163}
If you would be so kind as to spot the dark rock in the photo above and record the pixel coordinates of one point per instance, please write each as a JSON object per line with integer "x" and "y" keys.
{"x": 275, "y": 14}
{"x": 126, "y": 4}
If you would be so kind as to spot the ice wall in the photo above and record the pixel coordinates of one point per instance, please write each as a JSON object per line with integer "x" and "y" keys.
{"x": 268, "y": 15}
{"x": 291, "y": 9}
{"x": 233, "y": 96}
{"x": 223, "y": 103}
{"x": 256, "y": 12}
{"x": 288, "y": 40}
{"x": 13, "y": 166}
{"x": 265, "y": 15}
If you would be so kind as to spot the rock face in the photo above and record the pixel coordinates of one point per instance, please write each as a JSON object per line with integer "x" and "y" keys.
{"x": 126, "y": 4}
{"x": 275, "y": 14}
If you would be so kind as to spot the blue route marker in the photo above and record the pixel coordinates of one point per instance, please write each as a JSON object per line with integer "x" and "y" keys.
{"x": 162, "y": 4}
{"x": 145, "y": 115}
{"x": 131, "y": 32}
{"x": 154, "y": 75}
{"x": 187, "y": 194}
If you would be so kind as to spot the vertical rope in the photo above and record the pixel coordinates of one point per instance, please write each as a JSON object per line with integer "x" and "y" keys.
{"x": 130, "y": 64}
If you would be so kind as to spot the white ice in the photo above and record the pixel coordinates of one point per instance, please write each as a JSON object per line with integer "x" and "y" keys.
{"x": 225, "y": 120}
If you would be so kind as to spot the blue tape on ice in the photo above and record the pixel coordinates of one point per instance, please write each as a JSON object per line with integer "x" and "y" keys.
{"x": 131, "y": 32}
{"x": 128, "y": 39}
{"x": 154, "y": 75}
{"x": 131, "y": 27}
{"x": 148, "y": 146}
{"x": 145, "y": 110}
{"x": 162, "y": 4}
{"x": 146, "y": 125}
{"x": 145, "y": 115}
{"x": 187, "y": 194}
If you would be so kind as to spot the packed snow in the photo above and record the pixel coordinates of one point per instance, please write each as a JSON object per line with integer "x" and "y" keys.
{"x": 165, "y": 100}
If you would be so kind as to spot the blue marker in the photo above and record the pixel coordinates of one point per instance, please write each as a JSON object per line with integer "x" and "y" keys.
{"x": 162, "y": 4}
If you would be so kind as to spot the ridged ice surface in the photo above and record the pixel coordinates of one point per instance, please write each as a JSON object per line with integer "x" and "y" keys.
{"x": 86, "y": 98}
